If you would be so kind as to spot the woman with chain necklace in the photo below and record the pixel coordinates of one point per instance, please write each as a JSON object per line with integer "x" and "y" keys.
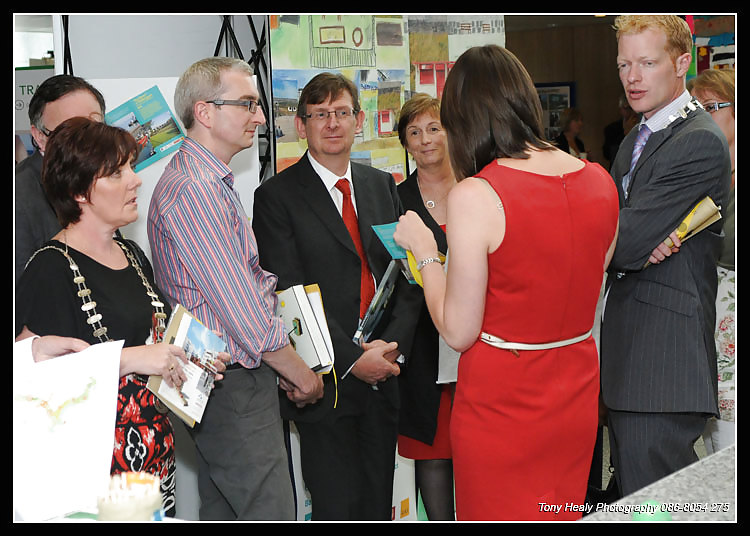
{"x": 424, "y": 419}
{"x": 88, "y": 284}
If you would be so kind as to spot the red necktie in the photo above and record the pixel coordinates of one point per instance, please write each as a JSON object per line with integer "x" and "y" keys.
{"x": 367, "y": 285}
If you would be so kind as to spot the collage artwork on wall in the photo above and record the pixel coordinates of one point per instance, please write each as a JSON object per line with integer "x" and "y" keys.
{"x": 714, "y": 37}
{"x": 388, "y": 57}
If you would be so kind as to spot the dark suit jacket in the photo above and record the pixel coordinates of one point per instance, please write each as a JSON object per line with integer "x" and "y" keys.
{"x": 614, "y": 133}
{"x": 420, "y": 395}
{"x": 302, "y": 239}
{"x": 658, "y": 351}
{"x": 36, "y": 221}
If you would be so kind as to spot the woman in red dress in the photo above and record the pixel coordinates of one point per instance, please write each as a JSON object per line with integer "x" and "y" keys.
{"x": 531, "y": 231}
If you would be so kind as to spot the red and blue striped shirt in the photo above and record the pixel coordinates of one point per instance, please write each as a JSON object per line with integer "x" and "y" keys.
{"x": 205, "y": 255}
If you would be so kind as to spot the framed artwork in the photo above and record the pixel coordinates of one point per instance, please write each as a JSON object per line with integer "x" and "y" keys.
{"x": 555, "y": 98}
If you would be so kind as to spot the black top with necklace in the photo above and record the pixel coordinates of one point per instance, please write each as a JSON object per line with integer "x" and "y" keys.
{"x": 48, "y": 304}
{"x": 420, "y": 395}
{"x": 47, "y": 300}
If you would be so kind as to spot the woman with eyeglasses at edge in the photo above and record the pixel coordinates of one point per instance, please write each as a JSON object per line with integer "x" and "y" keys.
{"x": 424, "y": 419}
{"x": 530, "y": 230}
{"x": 715, "y": 91}
{"x": 87, "y": 284}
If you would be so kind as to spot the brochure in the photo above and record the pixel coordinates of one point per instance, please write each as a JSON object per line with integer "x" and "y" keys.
{"x": 148, "y": 118}
{"x": 202, "y": 347}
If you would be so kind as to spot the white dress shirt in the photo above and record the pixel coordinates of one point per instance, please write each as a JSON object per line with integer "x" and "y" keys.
{"x": 330, "y": 179}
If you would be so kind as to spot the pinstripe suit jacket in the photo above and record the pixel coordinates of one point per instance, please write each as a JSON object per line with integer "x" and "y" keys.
{"x": 658, "y": 350}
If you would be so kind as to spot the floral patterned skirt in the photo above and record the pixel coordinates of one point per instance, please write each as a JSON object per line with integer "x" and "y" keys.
{"x": 725, "y": 342}
{"x": 144, "y": 440}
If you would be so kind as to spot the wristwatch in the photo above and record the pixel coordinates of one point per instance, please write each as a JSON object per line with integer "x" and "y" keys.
{"x": 424, "y": 262}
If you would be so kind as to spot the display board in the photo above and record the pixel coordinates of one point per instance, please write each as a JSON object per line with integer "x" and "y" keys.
{"x": 388, "y": 57}
{"x": 26, "y": 80}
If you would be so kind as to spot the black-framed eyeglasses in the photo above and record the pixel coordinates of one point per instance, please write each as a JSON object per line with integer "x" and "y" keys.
{"x": 712, "y": 107}
{"x": 251, "y": 105}
{"x": 344, "y": 113}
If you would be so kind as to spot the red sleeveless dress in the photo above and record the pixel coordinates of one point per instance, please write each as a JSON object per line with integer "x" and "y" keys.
{"x": 523, "y": 428}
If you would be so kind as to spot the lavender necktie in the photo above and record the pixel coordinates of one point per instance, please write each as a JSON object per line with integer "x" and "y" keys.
{"x": 640, "y": 142}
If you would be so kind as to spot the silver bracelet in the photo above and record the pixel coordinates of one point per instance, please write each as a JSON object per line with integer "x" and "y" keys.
{"x": 424, "y": 262}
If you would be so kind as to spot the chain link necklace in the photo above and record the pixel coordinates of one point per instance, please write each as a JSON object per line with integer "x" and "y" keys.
{"x": 94, "y": 319}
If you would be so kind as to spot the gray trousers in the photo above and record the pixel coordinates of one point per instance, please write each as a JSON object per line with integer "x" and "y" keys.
{"x": 646, "y": 447}
{"x": 243, "y": 472}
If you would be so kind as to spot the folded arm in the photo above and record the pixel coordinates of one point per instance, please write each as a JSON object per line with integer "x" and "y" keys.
{"x": 656, "y": 208}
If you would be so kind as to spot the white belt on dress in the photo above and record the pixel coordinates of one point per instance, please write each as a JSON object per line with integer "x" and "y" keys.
{"x": 497, "y": 342}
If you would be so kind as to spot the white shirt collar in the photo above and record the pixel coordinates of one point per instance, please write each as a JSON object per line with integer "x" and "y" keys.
{"x": 327, "y": 176}
{"x": 662, "y": 118}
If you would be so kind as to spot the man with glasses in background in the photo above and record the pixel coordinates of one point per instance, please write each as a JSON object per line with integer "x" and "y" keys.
{"x": 314, "y": 224}
{"x": 205, "y": 258}
{"x": 56, "y": 99}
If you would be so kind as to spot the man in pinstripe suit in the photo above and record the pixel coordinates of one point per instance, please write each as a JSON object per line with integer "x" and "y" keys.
{"x": 658, "y": 365}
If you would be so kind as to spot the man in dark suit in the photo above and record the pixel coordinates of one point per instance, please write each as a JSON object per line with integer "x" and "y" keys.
{"x": 658, "y": 364}
{"x": 348, "y": 439}
{"x": 56, "y": 99}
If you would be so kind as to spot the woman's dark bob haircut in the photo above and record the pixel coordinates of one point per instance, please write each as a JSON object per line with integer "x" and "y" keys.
{"x": 78, "y": 152}
{"x": 490, "y": 109}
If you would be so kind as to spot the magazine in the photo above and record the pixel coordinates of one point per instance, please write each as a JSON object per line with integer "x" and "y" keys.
{"x": 148, "y": 118}
{"x": 202, "y": 347}
{"x": 404, "y": 258}
{"x": 378, "y": 304}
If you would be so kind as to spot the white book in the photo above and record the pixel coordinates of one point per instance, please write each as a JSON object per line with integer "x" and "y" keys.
{"x": 316, "y": 301}
{"x": 301, "y": 309}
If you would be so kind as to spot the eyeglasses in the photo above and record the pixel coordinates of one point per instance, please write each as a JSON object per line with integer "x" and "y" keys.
{"x": 712, "y": 107}
{"x": 251, "y": 105}
{"x": 324, "y": 115}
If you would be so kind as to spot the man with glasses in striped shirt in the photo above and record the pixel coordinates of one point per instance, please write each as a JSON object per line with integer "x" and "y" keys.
{"x": 205, "y": 258}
